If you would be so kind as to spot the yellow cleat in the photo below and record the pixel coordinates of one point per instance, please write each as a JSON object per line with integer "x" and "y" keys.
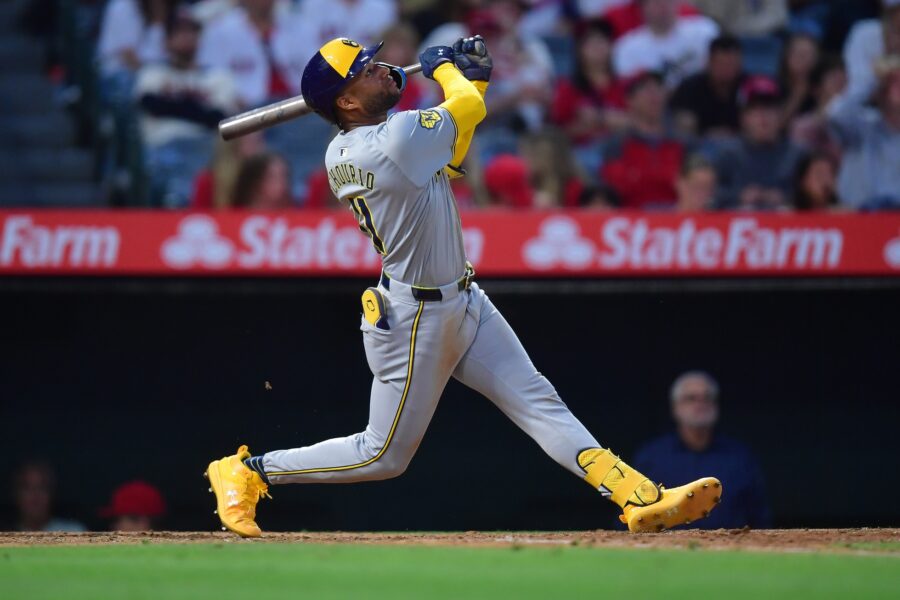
{"x": 677, "y": 506}
{"x": 237, "y": 491}
{"x": 645, "y": 505}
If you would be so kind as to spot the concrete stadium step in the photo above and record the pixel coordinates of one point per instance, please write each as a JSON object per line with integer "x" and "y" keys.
{"x": 53, "y": 130}
{"x": 47, "y": 164}
{"x": 21, "y": 195}
{"x": 26, "y": 93}
{"x": 19, "y": 54}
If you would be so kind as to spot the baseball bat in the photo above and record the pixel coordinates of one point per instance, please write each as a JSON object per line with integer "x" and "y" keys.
{"x": 273, "y": 114}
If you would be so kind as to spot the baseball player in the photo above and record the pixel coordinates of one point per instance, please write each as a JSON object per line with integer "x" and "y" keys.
{"x": 427, "y": 320}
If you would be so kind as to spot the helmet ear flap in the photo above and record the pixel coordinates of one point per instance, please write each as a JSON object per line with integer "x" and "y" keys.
{"x": 398, "y": 75}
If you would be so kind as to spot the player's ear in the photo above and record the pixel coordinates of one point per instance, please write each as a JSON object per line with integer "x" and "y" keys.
{"x": 346, "y": 102}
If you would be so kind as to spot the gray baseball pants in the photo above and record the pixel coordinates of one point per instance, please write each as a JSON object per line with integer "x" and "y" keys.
{"x": 462, "y": 336}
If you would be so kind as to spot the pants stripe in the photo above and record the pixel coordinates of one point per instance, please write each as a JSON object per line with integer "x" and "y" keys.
{"x": 409, "y": 376}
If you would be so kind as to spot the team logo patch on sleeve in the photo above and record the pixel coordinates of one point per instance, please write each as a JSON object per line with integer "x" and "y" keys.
{"x": 429, "y": 118}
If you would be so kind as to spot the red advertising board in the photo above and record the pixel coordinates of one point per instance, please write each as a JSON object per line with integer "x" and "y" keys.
{"x": 499, "y": 243}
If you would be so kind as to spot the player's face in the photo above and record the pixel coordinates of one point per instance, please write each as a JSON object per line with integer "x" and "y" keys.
{"x": 374, "y": 91}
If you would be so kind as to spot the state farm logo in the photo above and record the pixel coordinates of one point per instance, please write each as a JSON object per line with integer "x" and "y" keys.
{"x": 892, "y": 253}
{"x": 265, "y": 242}
{"x": 626, "y": 243}
{"x": 197, "y": 243}
{"x": 559, "y": 243}
{"x": 29, "y": 244}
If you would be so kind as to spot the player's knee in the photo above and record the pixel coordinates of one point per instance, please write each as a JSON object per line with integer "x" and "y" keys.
{"x": 393, "y": 466}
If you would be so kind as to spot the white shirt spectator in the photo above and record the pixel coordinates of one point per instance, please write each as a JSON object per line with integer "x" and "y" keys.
{"x": 124, "y": 29}
{"x": 231, "y": 42}
{"x": 360, "y": 20}
{"x": 213, "y": 88}
{"x": 683, "y": 51}
{"x": 864, "y": 46}
{"x": 747, "y": 17}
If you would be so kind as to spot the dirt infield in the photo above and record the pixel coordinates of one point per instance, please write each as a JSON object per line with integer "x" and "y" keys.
{"x": 882, "y": 541}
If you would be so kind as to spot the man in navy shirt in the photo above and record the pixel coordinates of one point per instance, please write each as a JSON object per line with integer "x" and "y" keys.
{"x": 695, "y": 448}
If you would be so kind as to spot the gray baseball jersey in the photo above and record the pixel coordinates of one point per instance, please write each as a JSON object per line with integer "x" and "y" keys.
{"x": 392, "y": 177}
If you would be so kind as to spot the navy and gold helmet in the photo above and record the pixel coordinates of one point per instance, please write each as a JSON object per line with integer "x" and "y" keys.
{"x": 332, "y": 67}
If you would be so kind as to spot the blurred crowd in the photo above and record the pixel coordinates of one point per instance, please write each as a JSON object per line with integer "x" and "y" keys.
{"x": 649, "y": 104}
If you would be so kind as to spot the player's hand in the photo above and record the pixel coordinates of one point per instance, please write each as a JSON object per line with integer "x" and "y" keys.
{"x": 434, "y": 57}
{"x": 471, "y": 57}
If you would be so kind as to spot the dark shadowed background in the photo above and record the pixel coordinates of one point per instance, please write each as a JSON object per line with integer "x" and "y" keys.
{"x": 115, "y": 380}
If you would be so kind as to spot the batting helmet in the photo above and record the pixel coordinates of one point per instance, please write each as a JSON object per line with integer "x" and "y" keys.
{"x": 332, "y": 67}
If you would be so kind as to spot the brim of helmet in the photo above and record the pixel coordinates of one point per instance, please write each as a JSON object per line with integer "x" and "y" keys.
{"x": 362, "y": 59}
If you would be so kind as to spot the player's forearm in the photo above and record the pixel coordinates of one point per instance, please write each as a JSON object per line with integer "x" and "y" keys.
{"x": 462, "y": 99}
{"x": 464, "y": 138}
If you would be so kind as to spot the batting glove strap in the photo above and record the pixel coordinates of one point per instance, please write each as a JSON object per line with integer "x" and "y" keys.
{"x": 434, "y": 57}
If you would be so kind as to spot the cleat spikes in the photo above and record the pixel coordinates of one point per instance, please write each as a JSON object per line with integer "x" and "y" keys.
{"x": 690, "y": 494}
{"x": 210, "y": 490}
{"x": 223, "y": 528}
{"x": 705, "y": 485}
{"x": 660, "y": 527}
{"x": 705, "y": 513}
{"x": 717, "y": 484}
{"x": 717, "y": 499}
{"x": 215, "y": 512}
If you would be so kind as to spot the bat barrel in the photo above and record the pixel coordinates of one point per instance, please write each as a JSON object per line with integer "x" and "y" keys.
{"x": 273, "y": 114}
{"x": 263, "y": 117}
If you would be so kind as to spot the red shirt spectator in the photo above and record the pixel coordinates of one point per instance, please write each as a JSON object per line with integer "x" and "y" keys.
{"x": 589, "y": 104}
{"x": 643, "y": 164}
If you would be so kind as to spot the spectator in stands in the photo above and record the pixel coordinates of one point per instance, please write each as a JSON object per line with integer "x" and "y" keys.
{"x": 674, "y": 45}
{"x": 811, "y": 131}
{"x": 696, "y": 185}
{"x": 815, "y": 183}
{"x": 747, "y": 19}
{"x": 181, "y": 106}
{"x": 799, "y": 60}
{"x": 522, "y": 77}
{"x": 648, "y": 142}
{"x": 360, "y": 20}
{"x": 401, "y": 48}
{"x": 132, "y": 34}
{"x": 598, "y": 197}
{"x": 706, "y": 103}
{"x": 624, "y": 15}
{"x": 135, "y": 506}
{"x": 263, "y": 183}
{"x": 592, "y": 103}
{"x": 508, "y": 182}
{"x": 870, "y": 137}
{"x": 869, "y": 41}
{"x": 34, "y": 487}
{"x": 757, "y": 171}
{"x": 214, "y": 185}
{"x": 696, "y": 447}
{"x": 554, "y": 175}
{"x": 264, "y": 49}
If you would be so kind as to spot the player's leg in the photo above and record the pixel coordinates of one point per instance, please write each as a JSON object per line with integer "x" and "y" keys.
{"x": 497, "y": 365}
{"x": 411, "y": 363}
{"x": 410, "y": 374}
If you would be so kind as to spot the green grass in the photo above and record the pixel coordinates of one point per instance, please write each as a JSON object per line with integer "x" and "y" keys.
{"x": 262, "y": 571}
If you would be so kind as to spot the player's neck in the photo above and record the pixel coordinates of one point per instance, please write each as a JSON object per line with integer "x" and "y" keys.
{"x": 349, "y": 123}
